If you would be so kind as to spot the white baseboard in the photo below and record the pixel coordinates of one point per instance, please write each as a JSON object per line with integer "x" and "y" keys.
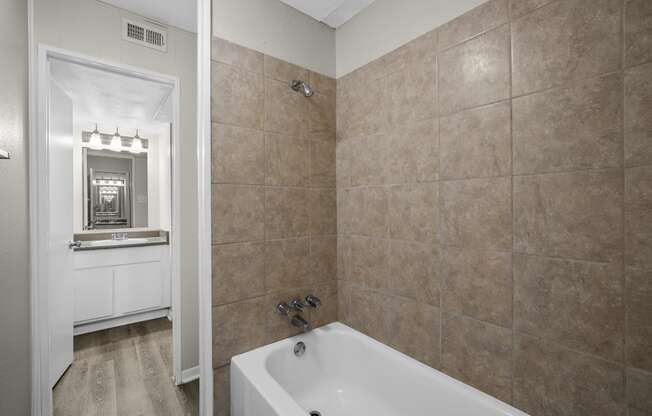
{"x": 123, "y": 320}
{"x": 190, "y": 374}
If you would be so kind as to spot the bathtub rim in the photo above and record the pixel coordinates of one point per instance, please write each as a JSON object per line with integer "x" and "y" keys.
{"x": 252, "y": 365}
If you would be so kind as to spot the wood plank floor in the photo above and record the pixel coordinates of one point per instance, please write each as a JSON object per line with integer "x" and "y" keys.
{"x": 125, "y": 371}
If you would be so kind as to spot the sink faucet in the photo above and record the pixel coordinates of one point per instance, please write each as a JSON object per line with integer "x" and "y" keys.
{"x": 299, "y": 322}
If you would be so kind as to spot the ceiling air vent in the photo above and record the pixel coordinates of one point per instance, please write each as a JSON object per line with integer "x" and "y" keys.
{"x": 144, "y": 35}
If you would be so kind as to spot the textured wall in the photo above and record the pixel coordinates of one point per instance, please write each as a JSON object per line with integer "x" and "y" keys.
{"x": 14, "y": 231}
{"x": 274, "y": 201}
{"x": 494, "y": 182}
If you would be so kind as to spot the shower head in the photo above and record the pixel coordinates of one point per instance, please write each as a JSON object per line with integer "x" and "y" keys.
{"x": 302, "y": 87}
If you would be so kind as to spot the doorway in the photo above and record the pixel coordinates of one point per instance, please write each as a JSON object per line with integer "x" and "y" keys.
{"x": 105, "y": 215}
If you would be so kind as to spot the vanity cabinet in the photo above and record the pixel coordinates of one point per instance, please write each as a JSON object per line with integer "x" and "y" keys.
{"x": 111, "y": 284}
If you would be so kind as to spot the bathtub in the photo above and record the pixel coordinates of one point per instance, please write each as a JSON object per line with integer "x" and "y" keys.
{"x": 345, "y": 373}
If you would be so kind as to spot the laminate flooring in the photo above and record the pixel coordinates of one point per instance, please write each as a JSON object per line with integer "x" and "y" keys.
{"x": 125, "y": 371}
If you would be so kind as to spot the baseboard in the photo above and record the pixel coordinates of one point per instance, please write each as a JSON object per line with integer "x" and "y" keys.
{"x": 190, "y": 374}
{"x": 123, "y": 320}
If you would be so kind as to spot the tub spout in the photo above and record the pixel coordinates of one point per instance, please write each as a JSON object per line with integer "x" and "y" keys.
{"x": 299, "y": 322}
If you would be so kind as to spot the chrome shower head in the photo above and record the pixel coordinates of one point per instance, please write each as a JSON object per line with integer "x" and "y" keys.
{"x": 302, "y": 87}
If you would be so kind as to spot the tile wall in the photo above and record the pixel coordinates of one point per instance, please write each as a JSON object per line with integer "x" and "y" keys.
{"x": 494, "y": 192}
{"x": 274, "y": 201}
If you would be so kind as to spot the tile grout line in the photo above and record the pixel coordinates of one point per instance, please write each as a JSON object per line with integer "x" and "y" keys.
{"x": 512, "y": 205}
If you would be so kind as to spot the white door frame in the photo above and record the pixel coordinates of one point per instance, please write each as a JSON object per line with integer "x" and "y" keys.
{"x": 204, "y": 38}
{"x": 38, "y": 201}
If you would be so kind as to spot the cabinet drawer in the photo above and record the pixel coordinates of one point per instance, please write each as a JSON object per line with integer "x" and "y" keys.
{"x": 93, "y": 293}
{"x": 138, "y": 286}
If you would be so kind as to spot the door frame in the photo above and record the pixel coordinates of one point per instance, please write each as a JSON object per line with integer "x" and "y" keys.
{"x": 41, "y": 396}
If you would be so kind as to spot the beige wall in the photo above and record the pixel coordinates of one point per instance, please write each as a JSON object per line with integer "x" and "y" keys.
{"x": 494, "y": 202}
{"x": 97, "y": 32}
{"x": 274, "y": 201}
{"x": 276, "y": 29}
{"x": 14, "y": 233}
{"x": 387, "y": 24}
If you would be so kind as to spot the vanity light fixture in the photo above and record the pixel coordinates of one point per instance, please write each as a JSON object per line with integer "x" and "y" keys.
{"x": 95, "y": 142}
{"x": 136, "y": 144}
{"x": 116, "y": 142}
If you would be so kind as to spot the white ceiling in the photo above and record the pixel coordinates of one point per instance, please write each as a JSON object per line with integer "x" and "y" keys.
{"x": 332, "y": 12}
{"x": 178, "y": 13}
{"x": 113, "y": 100}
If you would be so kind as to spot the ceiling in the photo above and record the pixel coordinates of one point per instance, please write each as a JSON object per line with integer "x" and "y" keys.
{"x": 114, "y": 100}
{"x": 178, "y": 13}
{"x": 334, "y": 13}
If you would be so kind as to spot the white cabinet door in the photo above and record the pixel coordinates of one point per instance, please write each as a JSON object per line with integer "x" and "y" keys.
{"x": 93, "y": 293}
{"x": 138, "y": 286}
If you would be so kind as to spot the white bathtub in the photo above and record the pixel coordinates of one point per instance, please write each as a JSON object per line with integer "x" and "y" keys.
{"x": 346, "y": 373}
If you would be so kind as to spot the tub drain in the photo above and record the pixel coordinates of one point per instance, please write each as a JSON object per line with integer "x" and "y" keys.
{"x": 314, "y": 413}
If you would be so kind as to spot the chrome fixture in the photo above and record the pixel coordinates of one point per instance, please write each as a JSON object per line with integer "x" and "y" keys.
{"x": 297, "y": 304}
{"x": 282, "y": 309}
{"x": 4, "y": 154}
{"x": 299, "y": 349}
{"x": 299, "y": 322}
{"x": 302, "y": 87}
{"x": 313, "y": 301}
{"x": 74, "y": 244}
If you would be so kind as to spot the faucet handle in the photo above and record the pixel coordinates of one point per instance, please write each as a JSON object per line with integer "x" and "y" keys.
{"x": 283, "y": 309}
{"x": 297, "y": 304}
{"x": 313, "y": 301}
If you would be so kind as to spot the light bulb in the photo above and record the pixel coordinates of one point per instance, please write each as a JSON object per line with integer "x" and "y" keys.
{"x": 116, "y": 142}
{"x": 136, "y": 144}
{"x": 95, "y": 141}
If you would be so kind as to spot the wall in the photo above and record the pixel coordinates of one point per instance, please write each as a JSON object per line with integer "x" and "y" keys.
{"x": 14, "y": 233}
{"x": 276, "y": 29}
{"x": 387, "y": 24}
{"x": 96, "y": 32}
{"x": 274, "y": 201}
{"x": 494, "y": 185}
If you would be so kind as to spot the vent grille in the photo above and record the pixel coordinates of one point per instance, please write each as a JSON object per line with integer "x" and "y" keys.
{"x": 144, "y": 35}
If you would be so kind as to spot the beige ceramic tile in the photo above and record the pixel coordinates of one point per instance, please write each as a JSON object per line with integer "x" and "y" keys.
{"x": 412, "y": 154}
{"x": 577, "y": 304}
{"x": 287, "y": 264}
{"x": 475, "y": 72}
{"x": 343, "y": 257}
{"x": 369, "y": 262}
{"x": 286, "y": 160}
{"x": 550, "y": 380}
{"x": 283, "y": 71}
{"x": 638, "y": 32}
{"x": 519, "y": 8}
{"x": 571, "y": 128}
{"x": 238, "y": 213}
{"x": 238, "y": 272}
{"x": 565, "y": 41}
{"x": 477, "y": 284}
{"x": 478, "y": 354}
{"x": 639, "y": 324}
{"x": 414, "y": 329}
{"x": 323, "y": 259}
{"x": 367, "y": 312}
{"x": 321, "y": 112}
{"x": 242, "y": 106}
{"x": 286, "y": 212}
{"x": 322, "y": 211}
{"x": 639, "y": 391}
{"x": 414, "y": 271}
{"x": 477, "y": 213}
{"x": 574, "y": 215}
{"x": 369, "y": 209}
{"x": 638, "y": 216}
{"x": 411, "y": 92}
{"x": 486, "y": 16}
{"x": 476, "y": 143}
{"x": 413, "y": 211}
{"x": 285, "y": 110}
{"x": 241, "y": 327}
{"x": 368, "y": 157}
{"x": 238, "y": 155}
{"x": 233, "y": 54}
{"x": 222, "y": 391}
{"x": 322, "y": 163}
{"x": 638, "y": 123}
